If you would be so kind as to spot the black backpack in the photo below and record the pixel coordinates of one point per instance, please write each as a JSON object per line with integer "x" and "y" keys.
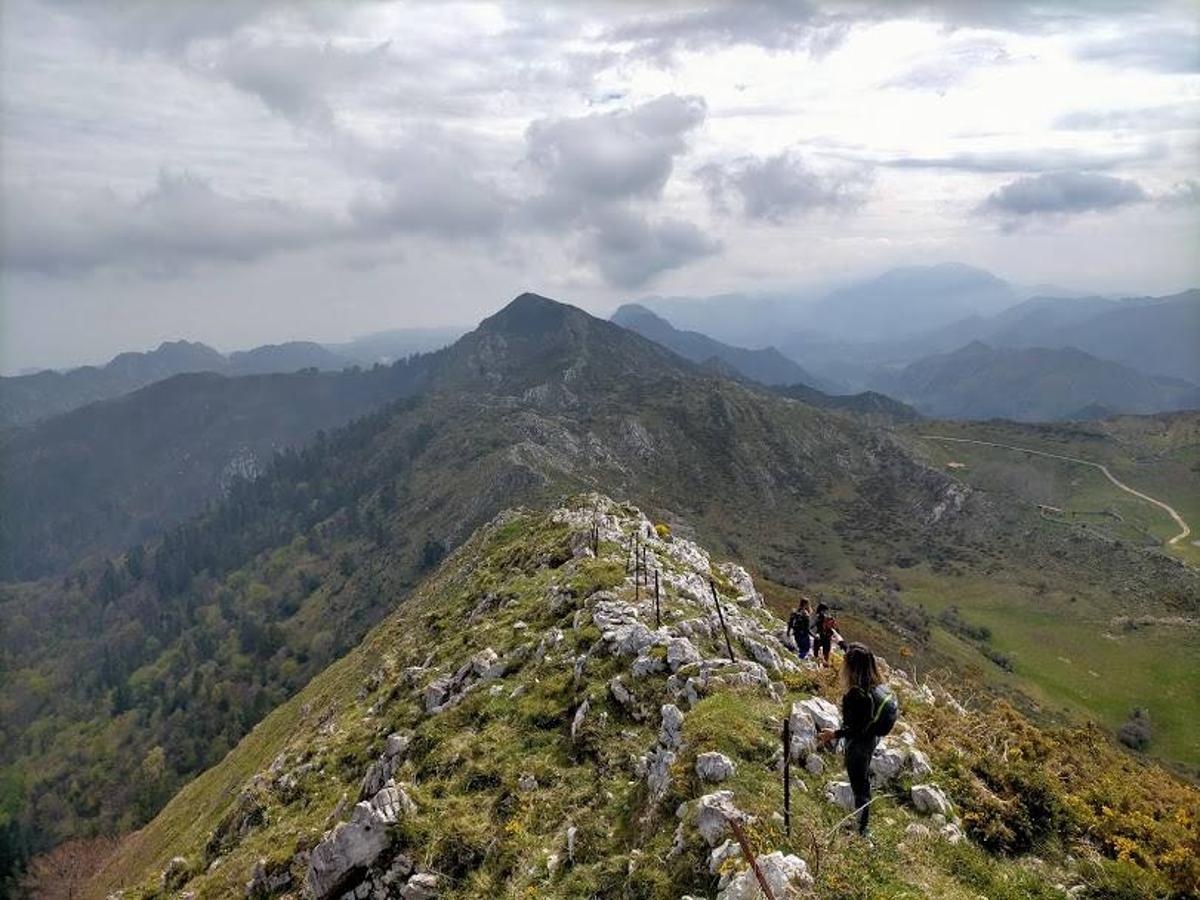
{"x": 885, "y": 710}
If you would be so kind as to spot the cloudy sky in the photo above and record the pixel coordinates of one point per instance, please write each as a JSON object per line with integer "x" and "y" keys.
{"x": 242, "y": 173}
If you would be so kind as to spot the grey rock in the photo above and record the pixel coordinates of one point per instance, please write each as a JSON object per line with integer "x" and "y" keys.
{"x": 951, "y": 832}
{"x": 351, "y": 845}
{"x": 713, "y": 812}
{"x": 671, "y": 733}
{"x": 804, "y": 733}
{"x": 720, "y": 854}
{"x": 392, "y": 803}
{"x": 840, "y": 794}
{"x": 620, "y": 693}
{"x": 886, "y": 764}
{"x": 814, "y": 764}
{"x": 658, "y": 772}
{"x": 714, "y": 767}
{"x": 422, "y": 886}
{"x": 572, "y": 834}
{"x": 820, "y": 712}
{"x": 785, "y": 874}
{"x": 264, "y": 883}
{"x": 397, "y": 744}
{"x": 764, "y": 655}
{"x": 580, "y": 715}
{"x": 646, "y": 664}
{"x": 928, "y": 798}
{"x": 437, "y": 692}
{"x": 681, "y": 652}
{"x": 918, "y": 764}
{"x": 176, "y": 874}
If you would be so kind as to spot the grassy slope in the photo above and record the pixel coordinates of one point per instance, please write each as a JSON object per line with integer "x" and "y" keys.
{"x": 1069, "y": 654}
{"x": 490, "y": 839}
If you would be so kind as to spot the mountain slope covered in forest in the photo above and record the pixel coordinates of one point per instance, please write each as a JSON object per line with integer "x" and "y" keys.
{"x": 123, "y": 679}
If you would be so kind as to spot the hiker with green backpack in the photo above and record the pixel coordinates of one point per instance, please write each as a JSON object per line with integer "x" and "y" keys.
{"x": 869, "y": 711}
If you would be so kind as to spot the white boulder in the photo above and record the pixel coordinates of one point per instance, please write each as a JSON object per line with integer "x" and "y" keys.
{"x": 886, "y": 764}
{"x": 820, "y": 711}
{"x": 785, "y": 874}
{"x": 714, "y": 767}
{"x": 351, "y": 845}
{"x": 671, "y": 733}
{"x": 713, "y": 812}
{"x": 681, "y": 652}
{"x": 839, "y": 793}
{"x": 422, "y": 886}
{"x": 658, "y": 772}
{"x": 929, "y": 799}
{"x": 918, "y": 764}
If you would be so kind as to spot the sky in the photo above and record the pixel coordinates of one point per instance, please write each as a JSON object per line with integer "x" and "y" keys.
{"x": 244, "y": 173}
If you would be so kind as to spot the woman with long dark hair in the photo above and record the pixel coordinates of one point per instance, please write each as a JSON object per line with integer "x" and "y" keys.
{"x": 868, "y": 711}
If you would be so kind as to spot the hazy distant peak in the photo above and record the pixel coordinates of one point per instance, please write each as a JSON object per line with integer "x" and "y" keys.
{"x": 627, "y": 312}
{"x": 529, "y": 314}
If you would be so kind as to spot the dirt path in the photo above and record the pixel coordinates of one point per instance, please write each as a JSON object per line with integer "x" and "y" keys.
{"x": 1183, "y": 526}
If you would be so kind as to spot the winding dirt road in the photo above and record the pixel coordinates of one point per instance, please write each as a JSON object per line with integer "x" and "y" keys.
{"x": 1183, "y": 526}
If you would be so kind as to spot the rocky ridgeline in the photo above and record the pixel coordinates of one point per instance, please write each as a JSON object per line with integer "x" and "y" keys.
{"x": 685, "y": 658}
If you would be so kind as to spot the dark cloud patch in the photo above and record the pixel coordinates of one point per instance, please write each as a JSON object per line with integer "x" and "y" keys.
{"x": 181, "y": 221}
{"x": 1170, "y": 117}
{"x": 630, "y": 250}
{"x": 294, "y": 79}
{"x": 777, "y": 188}
{"x": 1062, "y": 194}
{"x": 1027, "y": 160}
{"x": 599, "y": 172}
{"x": 152, "y": 26}
{"x": 774, "y": 24}
{"x": 951, "y": 66}
{"x": 617, "y": 155}
{"x": 1174, "y": 51}
{"x": 659, "y": 30}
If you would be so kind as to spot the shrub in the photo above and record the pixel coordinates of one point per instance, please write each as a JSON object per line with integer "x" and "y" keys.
{"x": 1137, "y": 732}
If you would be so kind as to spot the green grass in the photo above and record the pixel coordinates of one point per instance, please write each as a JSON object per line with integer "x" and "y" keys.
{"x": 1068, "y": 656}
{"x": 1159, "y": 456}
{"x": 488, "y": 837}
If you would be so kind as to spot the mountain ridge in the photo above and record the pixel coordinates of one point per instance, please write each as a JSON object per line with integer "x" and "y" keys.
{"x": 978, "y": 381}
{"x": 766, "y": 366}
{"x": 562, "y": 746}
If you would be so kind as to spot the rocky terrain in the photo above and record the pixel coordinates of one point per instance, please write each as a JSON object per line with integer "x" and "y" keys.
{"x": 540, "y": 721}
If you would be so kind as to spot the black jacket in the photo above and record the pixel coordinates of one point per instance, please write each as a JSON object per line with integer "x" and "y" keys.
{"x": 798, "y": 623}
{"x": 857, "y": 709}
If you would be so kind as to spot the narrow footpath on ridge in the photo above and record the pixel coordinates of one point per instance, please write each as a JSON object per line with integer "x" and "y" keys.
{"x": 1185, "y": 530}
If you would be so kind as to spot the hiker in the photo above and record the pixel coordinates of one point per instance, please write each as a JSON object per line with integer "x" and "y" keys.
{"x": 823, "y": 632}
{"x": 799, "y": 623}
{"x": 869, "y": 711}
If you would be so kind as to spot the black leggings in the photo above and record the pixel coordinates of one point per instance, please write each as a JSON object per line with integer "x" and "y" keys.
{"x": 858, "y": 768}
{"x": 824, "y": 643}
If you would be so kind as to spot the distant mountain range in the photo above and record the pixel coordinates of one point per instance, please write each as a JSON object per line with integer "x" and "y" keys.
{"x": 1143, "y": 353}
{"x": 1031, "y": 384}
{"x": 908, "y": 301}
{"x": 247, "y": 587}
{"x": 766, "y": 366}
{"x": 29, "y": 398}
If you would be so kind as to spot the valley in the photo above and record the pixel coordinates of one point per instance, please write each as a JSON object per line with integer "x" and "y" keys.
{"x": 239, "y": 608}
